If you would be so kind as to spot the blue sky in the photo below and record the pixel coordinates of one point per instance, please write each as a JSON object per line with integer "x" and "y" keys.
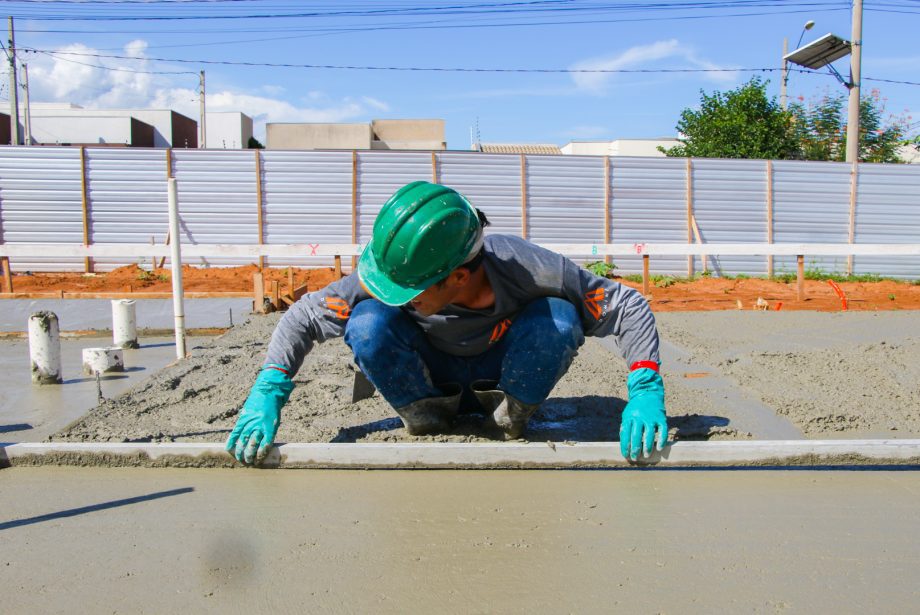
{"x": 531, "y": 107}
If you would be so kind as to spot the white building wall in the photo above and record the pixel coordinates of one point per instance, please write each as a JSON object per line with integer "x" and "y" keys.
{"x": 160, "y": 119}
{"x": 228, "y": 130}
{"x": 64, "y": 129}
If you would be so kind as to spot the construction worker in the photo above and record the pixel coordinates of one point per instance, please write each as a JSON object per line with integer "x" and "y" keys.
{"x": 441, "y": 318}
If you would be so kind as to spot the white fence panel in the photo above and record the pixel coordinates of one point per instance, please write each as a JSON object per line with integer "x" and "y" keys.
{"x": 888, "y": 211}
{"x": 41, "y": 202}
{"x": 127, "y": 196}
{"x": 649, "y": 205}
{"x": 811, "y": 205}
{"x": 307, "y": 199}
{"x": 492, "y": 183}
{"x": 730, "y": 206}
{"x": 565, "y": 198}
{"x": 217, "y": 199}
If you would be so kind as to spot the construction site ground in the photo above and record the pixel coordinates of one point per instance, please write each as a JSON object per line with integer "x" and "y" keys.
{"x": 667, "y": 293}
{"x": 120, "y": 540}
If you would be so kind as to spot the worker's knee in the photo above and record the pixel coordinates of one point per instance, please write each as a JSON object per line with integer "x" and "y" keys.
{"x": 371, "y": 326}
{"x": 559, "y": 323}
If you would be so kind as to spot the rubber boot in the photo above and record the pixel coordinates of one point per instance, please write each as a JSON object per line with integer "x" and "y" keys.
{"x": 507, "y": 413}
{"x": 432, "y": 414}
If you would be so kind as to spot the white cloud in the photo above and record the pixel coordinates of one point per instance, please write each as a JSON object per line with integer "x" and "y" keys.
{"x": 641, "y": 56}
{"x": 99, "y": 83}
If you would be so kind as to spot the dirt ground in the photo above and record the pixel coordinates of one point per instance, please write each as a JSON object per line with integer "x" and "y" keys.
{"x": 666, "y": 296}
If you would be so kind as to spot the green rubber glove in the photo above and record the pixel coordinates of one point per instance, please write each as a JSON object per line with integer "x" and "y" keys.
{"x": 261, "y": 414}
{"x": 643, "y": 414}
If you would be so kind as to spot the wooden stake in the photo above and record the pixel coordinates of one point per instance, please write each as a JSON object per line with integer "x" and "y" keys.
{"x": 607, "y": 258}
{"x": 338, "y": 266}
{"x": 276, "y": 294}
{"x": 645, "y": 274}
{"x": 689, "y": 214}
{"x": 259, "y": 204}
{"x": 354, "y": 204}
{"x": 434, "y": 168}
{"x": 800, "y": 278}
{"x": 290, "y": 280}
{"x": 523, "y": 196}
{"x": 84, "y": 199}
{"x": 770, "y": 215}
{"x": 258, "y": 293}
{"x": 7, "y": 274}
{"x": 699, "y": 239}
{"x": 854, "y": 188}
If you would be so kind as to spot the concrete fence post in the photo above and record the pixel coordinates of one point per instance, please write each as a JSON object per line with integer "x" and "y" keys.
{"x": 124, "y": 323}
{"x": 45, "y": 348}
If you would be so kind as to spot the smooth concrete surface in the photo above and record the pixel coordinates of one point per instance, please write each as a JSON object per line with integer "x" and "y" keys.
{"x": 85, "y": 314}
{"x": 94, "y": 540}
{"x": 30, "y": 413}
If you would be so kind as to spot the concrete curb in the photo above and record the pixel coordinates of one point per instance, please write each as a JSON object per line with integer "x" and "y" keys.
{"x": 473, "y": 456}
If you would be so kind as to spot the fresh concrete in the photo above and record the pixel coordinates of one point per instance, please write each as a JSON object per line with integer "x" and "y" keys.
{"x": 86, "y": 314}
{"x": 457, "y": 455}
{"x": 30, "y": 413}
{"x": 96, "y": 540}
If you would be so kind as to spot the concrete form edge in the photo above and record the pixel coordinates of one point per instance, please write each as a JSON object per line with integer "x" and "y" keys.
{"x": 473, "y": 455}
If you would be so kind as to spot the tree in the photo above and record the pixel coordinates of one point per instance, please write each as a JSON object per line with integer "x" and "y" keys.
{"x": 254, "y": 144}
{"x": 821, "y": 129}
{"x": 739, "y": 123}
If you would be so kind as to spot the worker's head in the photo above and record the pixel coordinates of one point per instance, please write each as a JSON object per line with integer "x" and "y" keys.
{"x": 422, "y": 236}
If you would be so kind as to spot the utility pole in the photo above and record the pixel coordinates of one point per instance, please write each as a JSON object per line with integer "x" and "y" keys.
{"x": 14, "y": 93}
{"x": 785, "y": 73}
{"x": 28, "y": 109}
{"x": 202, "y": 122}
{"x": 855, "y": 69}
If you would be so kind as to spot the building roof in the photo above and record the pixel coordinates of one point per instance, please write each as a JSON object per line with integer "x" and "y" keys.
{"x": 520, "y": 148}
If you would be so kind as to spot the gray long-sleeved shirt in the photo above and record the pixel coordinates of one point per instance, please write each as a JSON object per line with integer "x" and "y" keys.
{"x": 519, "y": 272}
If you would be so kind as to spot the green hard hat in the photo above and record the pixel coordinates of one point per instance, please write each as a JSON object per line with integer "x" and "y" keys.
{"x": 422, "y": 233}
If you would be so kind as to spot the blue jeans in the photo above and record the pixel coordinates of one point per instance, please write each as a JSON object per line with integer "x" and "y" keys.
{"x": 528, "y": 361}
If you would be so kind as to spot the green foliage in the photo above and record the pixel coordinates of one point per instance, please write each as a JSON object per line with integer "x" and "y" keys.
{"x": 821, "y": 129}
{"x": 740, "y": 123}
{"x": 822, "y": 276}
{"x": 144, "y": 276}
{"x": 600, "y": 268}
{"x": 254, "y": 144}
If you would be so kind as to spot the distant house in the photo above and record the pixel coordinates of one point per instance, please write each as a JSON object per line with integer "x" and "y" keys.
{"x": 64, "y": 123}
{"x": 228, "y": 130}
{"x": 378, "y": 135}
{"x": 620, "y": 147}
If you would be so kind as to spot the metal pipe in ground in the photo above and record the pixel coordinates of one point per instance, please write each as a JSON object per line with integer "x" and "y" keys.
{"x": 124, "y": 323}
{"x": 176, "y": 263}
{"x": 45, "y": 348}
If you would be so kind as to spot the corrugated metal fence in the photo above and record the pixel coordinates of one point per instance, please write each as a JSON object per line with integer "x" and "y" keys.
{"x": 106, "y": 195}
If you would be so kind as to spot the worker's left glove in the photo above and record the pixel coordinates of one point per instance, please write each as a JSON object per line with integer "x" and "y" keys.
{"x": 643, "y": 415}
{"x": 258, "y": 422}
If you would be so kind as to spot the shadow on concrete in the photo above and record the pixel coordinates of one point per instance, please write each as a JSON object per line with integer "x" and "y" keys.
{"x": 14, "y": 427}
{"x": 73, "y": 512}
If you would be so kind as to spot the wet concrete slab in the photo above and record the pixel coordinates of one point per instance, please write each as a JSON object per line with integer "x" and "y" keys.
{"x": 86, "y": 314}
{"x": 95, "y": 540}
{"x": 30, "y": 413}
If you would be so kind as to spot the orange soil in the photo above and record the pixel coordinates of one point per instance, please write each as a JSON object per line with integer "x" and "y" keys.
{"x": 702, "y": 294}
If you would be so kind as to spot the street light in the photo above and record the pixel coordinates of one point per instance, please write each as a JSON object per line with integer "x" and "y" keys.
{"x": 821, "y": 53}
{"x": 785, "y": 80}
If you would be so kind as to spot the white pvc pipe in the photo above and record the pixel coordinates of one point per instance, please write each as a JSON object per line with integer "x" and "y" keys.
{"x": 176, "y": 264}
{"x": 124, "y": 323}
{"x": 45, "y": 348}
{"x": 102, "y": 360}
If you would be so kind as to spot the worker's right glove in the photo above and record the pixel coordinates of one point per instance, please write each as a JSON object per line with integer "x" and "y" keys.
{"x": 258, "y": 422}
{"x": 643, "y": 415}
